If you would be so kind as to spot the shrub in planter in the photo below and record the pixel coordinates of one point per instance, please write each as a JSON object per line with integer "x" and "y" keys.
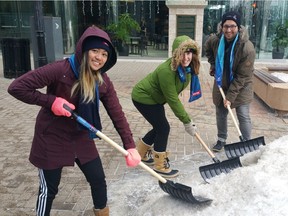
{"x": 121, "y": 32}
{"x": 280, "y": 41}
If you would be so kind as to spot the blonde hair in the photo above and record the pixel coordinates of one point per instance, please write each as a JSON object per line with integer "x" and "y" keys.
{"x": 86, "y": 83}
{"x": 177, "y": 55}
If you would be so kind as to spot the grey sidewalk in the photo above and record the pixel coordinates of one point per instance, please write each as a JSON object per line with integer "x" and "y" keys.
{"x": 19, "y": 180}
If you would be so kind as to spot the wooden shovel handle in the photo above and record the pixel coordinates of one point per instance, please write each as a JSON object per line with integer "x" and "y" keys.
{"x": 125, "y": 153}
{"x": 231, "y": 113}
{"x": 90, "y": 127}
{"x": 204, "y": 145}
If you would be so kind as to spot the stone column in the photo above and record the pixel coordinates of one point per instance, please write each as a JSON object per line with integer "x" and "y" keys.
{"x": 40, "y": 33}
{"x": 190, "y": 8}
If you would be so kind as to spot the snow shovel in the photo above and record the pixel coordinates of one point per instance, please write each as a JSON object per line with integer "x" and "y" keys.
{"x": 212, "y": 170}
{"x": 176, "y": 190}
{"x": 244, "y": 146}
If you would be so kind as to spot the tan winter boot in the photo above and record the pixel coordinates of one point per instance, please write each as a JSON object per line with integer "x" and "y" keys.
{"x": 162, "y": 166}
{"x": 145, "y": 151}
{"x": 101, "y": 212}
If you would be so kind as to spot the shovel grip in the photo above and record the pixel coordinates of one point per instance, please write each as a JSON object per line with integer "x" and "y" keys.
{"x": 65, "y": 106}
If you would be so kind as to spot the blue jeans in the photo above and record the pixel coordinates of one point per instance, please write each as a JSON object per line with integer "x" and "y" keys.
{"x": 243, "y": 115}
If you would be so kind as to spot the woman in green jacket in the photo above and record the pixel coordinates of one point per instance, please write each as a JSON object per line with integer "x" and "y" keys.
{"x": 158, "y": 88}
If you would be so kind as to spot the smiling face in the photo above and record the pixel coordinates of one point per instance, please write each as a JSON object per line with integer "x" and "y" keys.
{"x": 230, "y": 30}
{"x": 186, "y": 59}
{"x": 97, "y": 58}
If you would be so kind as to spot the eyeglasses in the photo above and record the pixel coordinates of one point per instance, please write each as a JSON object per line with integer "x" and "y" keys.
{"x": 232, "y": 27}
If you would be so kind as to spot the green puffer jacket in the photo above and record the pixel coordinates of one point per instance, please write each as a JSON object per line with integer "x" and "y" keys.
{"x": 163, "y": 86}
{"x": 240, "y": 90}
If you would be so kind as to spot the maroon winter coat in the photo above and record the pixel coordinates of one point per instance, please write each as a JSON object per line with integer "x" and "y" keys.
{"x": 58, "y": 140}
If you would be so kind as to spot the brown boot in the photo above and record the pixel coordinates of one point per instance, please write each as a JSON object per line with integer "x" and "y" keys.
{"x": 101, "y": 212}
{"x": 145, "y": 152}
{"x": 162, "y": 166}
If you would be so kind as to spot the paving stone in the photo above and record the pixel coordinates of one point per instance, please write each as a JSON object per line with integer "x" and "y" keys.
{"x": 19, "y": 179}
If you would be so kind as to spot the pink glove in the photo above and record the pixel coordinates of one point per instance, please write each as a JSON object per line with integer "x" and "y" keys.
{"x": 58, "y": 109}
{"x": 133, "y": 158}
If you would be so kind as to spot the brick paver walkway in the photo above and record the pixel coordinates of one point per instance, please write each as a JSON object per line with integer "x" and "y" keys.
{"x": 19, "y": 180}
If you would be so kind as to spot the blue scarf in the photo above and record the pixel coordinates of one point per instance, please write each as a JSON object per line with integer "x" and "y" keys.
{"x": 195, "y": 88}
{"x": 220, "y": 60}
{"x": 88, "y": 111}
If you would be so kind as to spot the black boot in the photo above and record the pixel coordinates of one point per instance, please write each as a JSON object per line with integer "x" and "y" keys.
{"x": 218, "y": 147}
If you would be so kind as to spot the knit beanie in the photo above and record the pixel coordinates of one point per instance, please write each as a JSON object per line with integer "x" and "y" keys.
{"x": 232, "y": 15}
{"x": 95, "y": 43}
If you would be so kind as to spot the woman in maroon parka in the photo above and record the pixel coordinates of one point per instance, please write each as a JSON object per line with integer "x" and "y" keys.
{"x": 80, "y": 82}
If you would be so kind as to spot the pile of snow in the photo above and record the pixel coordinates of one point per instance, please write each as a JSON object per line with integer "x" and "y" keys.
{"x": 259, "y": 187}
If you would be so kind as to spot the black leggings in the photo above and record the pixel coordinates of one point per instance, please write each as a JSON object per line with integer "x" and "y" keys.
{"x": 155, "y": 115}
{"x": 50, "y": 179}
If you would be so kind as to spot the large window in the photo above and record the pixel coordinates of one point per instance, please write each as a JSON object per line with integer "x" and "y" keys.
{"x": 186, "y": 26}
{"x": 261, "y": 18}
{"x": 15, "y": 18}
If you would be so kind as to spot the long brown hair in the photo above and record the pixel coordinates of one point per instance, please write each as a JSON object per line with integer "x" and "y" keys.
{"x": 195, "y": 63}
{"x": 178, "y": 54}
{"x": 86, "y": 83}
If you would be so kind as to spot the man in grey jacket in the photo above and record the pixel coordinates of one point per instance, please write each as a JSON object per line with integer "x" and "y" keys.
{"x": 231, "y": 56}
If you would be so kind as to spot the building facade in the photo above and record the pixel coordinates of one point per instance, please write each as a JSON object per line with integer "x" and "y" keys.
{"x": 164, "y": 19}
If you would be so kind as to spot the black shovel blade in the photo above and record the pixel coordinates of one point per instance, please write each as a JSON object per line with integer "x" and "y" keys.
{"x": 240, "y": 148}
{"x": 230, "y": 164}
{"x": 182, "y": 192}
{"x": 212, "y": 170}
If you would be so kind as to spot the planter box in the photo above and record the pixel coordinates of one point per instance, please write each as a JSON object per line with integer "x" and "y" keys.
{"x": 272, "y": 90}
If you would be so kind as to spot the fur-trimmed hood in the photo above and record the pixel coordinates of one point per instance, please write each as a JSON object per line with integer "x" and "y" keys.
{"x": 180, "y": 45}
{"x": 240, "y": 90}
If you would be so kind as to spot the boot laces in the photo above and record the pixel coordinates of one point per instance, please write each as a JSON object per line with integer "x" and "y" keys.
{"x": 166, "y": 163}
{"x": 149, "y": 153}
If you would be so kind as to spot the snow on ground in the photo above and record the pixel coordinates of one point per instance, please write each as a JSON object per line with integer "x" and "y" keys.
{"x": 259, "y": 187}
{"x": 281, "y": 76}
